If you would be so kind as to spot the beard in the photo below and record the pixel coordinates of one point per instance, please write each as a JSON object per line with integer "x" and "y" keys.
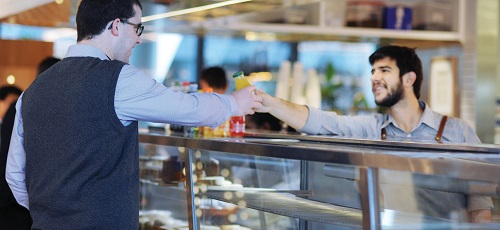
{"x": 394, "y": 96}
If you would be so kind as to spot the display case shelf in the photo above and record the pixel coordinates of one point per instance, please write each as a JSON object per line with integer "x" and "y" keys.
{"x": 287, "y": 204}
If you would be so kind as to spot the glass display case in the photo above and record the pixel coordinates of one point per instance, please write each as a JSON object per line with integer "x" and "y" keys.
{"x": 279, "y": 181}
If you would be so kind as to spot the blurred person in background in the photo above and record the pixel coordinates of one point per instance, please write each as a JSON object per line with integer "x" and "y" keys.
{"x": 8, "y": 95}
{"x": 46, "y": 63}
{"x": 12, "y": 215}
{"x": 213, "y": 79}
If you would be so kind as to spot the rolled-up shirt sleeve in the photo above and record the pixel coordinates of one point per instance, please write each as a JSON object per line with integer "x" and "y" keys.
{"x": 138, "y": 97}
{"x": 16, "y": 161}
{"x": 329, "y": 123}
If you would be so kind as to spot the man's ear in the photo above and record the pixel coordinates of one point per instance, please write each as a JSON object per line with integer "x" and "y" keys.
{"x": 409, "y": 79}
{"x": 114, "y": 27}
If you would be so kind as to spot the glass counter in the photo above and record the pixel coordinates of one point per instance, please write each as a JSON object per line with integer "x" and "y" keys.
{"x": 279, "y": 181}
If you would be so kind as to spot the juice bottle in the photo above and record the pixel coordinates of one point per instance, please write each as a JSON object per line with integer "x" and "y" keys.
{"x": 222, "y": 130}
{"x": 237, "y": 123}
{"x": 240, "y": 80}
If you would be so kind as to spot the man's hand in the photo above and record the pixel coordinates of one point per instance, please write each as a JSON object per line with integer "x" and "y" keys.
{"x": 294, "y": 115}
{"x": 480, "y": 216}
{"x": 267, "y": 102}
{"x": 248, "y": 100}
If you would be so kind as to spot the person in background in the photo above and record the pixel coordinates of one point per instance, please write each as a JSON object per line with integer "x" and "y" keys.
{"x": 213, "y": 79}
{"x": 13, "y": 215}
{"x": 46, "y": 63}
{"x": 73, "y": 160}
{"x": 396, "y": 81}
{"x": 8, "y": 94}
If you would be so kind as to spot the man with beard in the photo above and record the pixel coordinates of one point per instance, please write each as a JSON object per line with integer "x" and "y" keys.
{"x": 396, "y": 81}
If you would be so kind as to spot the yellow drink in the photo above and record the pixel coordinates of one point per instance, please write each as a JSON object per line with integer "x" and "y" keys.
{"x": 240, "y": 80}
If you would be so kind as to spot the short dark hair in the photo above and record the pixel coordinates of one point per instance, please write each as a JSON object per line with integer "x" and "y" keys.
{"x": 9, "y": 89}
{"x": 406, "y": 60}
{"x": 93, "y": 15}
{"x": 46, "y": 63}
{"x": 215, "y": 77}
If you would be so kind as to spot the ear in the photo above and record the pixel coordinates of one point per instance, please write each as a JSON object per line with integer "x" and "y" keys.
{"x": 409, "y": 79}
{"x": 114, "y": 27}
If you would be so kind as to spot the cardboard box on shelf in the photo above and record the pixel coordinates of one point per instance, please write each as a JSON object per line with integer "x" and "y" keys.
{"x": 364, "y": 14}
{"x": 433, "y": 15}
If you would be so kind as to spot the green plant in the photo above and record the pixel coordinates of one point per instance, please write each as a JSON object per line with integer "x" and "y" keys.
{"x": 330, "y": 86}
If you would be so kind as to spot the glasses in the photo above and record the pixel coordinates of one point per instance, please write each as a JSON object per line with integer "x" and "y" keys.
{"x": 138, "y": 27}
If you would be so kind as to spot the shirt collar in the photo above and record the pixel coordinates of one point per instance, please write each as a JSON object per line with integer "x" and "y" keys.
{"x": 428, "y": 117}
{"x": 80, "y": 50}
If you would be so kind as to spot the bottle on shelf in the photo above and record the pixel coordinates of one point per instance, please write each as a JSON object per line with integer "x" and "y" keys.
{"x": 237, "y": 123}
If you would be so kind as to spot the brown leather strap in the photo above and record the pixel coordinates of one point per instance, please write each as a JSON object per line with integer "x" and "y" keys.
{"x": 439, "y": 134}
{"x": 441, "y": 128}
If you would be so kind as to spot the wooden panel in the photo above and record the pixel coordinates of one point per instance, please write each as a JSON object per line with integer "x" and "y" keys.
{"x": 23, "y": 75}
{"x": 21, "y": 59}
{"x": 24, "y": 52}
{"x": 49, "y": 15}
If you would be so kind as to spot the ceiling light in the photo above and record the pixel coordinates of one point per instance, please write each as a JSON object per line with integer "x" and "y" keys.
{"x": 254, "y": 36}
{"x": 11, "y": 79}
{"x": 260, "y": 76}
{"x": 191, "y": 10}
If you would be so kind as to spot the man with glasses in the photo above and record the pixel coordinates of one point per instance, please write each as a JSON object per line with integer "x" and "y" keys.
{"x": 73, "y": 160}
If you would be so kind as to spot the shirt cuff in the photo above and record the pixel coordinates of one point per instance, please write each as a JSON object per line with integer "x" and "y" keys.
{"x": 313, "y": 123}
{"x": 479, "y": 203}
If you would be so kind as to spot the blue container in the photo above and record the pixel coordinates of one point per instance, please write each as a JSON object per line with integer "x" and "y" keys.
{"x": 397, "y": 17}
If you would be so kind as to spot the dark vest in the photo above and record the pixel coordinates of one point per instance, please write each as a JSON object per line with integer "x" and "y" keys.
{"x": 82, "y": 166}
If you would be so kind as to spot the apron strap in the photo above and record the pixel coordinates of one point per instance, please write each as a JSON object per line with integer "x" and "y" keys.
{"x": 439, "y": 134}
{"x": 441, "y": 128}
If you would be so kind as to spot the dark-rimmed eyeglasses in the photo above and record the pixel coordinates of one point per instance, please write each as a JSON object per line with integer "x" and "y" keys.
{"x": 138, "y": 27}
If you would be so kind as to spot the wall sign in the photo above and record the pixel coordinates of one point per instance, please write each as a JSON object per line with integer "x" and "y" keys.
{"x": 443, "y": 86}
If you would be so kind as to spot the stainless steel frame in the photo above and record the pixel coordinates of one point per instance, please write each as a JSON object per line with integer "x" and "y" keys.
{"x": 454, "y": 162}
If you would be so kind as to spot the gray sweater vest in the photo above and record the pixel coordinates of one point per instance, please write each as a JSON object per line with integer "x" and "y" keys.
{"x": 82, "y": 167}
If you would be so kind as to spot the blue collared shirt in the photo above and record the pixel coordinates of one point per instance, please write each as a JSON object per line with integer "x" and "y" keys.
{"x": 370, "y": 126}
{"x": 138, "y": 97}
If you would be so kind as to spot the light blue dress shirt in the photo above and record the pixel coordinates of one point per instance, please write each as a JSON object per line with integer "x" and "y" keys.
{"x": 369, "y": 127}
{"x": 138, "y": 97}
